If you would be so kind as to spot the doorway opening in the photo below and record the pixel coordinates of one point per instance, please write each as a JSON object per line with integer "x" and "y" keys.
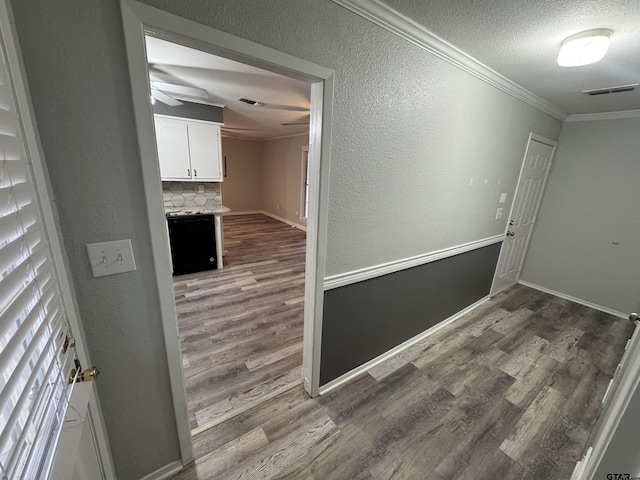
{"x": 240, "y": 318}
{"x": 139, "y": 20}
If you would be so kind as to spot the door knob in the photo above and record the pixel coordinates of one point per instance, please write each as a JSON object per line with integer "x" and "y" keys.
{"x": 633, "y": 317}
{"x": 510, "y": 234}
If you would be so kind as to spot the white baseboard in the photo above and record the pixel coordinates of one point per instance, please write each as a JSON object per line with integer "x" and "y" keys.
{"x": 575, "y": 299}
{"x": 264, "y": 212}
{"x": 247, "y": 212}
{"x": 347, "y": 377}
{"x": 284, "y": 220}
{"x": 165, "y": 472}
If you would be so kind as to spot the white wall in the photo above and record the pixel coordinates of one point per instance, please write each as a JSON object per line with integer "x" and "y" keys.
{"x": 586, "y": 242}
{"x": 282, "y": 177}
{"x": 242, "y": 187}
{"x": 265, "y": 175}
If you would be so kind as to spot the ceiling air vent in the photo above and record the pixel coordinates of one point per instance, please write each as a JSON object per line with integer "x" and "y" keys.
{"x": 250, "y": 102}
{"x": 604, "y": 91}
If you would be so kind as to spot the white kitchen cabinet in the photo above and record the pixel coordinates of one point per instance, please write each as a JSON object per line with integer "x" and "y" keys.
{"x": 188, "y": 150}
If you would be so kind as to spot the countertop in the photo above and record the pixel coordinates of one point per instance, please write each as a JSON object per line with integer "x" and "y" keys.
{"x": 171, "y": 211}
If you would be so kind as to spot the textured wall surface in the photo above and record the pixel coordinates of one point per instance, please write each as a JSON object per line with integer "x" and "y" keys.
{"x": 409, "y": 133}
{"x": 282, "y": 177}
{"x": 410, "y": 130}
{"x": 586, "y": 240}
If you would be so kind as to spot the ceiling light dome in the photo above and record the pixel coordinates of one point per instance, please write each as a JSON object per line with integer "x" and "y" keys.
{"x": 584, "y": 48}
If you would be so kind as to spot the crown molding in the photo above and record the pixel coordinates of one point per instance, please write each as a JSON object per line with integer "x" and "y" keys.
{"x": 589, "y": 117}
{"x": 393, "y": 21}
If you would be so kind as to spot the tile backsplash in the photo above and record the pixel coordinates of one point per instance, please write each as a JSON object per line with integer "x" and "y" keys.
{"x": 187, "y": 194}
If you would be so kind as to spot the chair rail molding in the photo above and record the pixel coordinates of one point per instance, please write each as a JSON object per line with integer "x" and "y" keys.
{"x": 401, "y": 25}
{"x": 367, "y": 273}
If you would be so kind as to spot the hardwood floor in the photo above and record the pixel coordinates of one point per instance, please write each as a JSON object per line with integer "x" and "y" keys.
{"x": 241, "y": 327}
{"x": 510, "y": 391}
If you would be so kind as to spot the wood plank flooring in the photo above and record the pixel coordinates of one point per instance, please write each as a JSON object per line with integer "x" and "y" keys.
{"x": 510, "y": 391}
{"x": 241, "y": 327}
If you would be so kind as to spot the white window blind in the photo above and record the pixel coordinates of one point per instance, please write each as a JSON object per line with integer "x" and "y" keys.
{"x": 34, "y": 373}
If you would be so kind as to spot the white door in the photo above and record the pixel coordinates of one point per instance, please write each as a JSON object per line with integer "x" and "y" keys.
{"x": 614, "y": 446}
{"x": 38, "y": 362}
{"x": 533, "y": 176}
{"x": 173, "y": 148}
{"x": 204, "y": 147}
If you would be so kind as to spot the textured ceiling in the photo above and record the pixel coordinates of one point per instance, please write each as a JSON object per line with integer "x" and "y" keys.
{"x": 521, "y": 39}
{"x": 286, "y": 99}
{"x": 518, "y": 39}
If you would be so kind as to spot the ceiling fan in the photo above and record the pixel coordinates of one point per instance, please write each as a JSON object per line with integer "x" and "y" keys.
{"x": 160, "y": 91}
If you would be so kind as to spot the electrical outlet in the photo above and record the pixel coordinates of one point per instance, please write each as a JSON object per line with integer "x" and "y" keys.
{"x": 109, "y": 258}
{"x": 200, "y": 188}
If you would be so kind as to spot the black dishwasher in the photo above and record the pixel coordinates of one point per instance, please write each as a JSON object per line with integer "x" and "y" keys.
{"x": 193, "y": 243}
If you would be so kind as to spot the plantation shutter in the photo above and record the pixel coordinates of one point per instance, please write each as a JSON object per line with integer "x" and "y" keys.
{"x": 34, "y": 372}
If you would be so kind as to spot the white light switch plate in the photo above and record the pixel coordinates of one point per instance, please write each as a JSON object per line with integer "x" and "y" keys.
{"x": 499, "y": 213}
{"x": 108, "y": 258}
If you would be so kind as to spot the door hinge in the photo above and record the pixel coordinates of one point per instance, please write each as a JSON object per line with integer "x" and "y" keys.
{"x": 68, "y": 342}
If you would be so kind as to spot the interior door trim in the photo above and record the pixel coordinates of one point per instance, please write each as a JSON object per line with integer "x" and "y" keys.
{"x": 139, "y": 19}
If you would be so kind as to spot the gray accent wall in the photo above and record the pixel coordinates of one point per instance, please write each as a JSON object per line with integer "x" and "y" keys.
{"x": 366, "y": 319}
{"x": 420, "y": 154}
{"x": 586, "y": 242}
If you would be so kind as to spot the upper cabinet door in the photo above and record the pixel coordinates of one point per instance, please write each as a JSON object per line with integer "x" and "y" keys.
{"x": 173, "y": 149}
{"x": 204, "y": 145}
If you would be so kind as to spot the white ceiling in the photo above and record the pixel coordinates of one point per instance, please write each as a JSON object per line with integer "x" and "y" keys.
{"x": 286, "y": 100}
{"x": 520, "y": 39}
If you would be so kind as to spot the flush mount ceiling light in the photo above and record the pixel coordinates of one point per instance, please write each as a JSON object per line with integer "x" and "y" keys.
{"x": 584, "y": 48}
